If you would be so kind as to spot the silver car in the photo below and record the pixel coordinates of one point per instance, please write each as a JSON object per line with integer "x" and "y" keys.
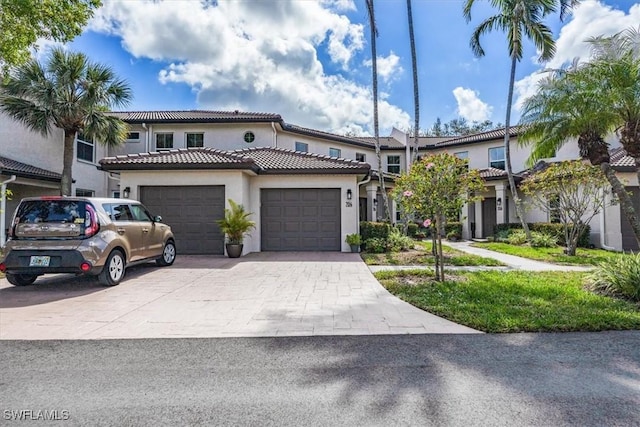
{"x": 83, "y": 235}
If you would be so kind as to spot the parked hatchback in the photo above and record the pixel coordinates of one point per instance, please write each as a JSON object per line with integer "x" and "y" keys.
{"x": 83, "y": 235}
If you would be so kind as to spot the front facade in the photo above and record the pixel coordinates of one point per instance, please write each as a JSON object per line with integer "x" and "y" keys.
{"x": 307, "y": 189}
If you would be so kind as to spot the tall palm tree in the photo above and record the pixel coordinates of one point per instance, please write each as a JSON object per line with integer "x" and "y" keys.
{"x": 70, "y": 93}
{"x": 568, "y": 105}
{"x": 416, "y": 92}
{"x": 517, "y": 18}
{"x": 376, "y": 126}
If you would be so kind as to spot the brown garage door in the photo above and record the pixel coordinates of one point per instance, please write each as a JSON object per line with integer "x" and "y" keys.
{"x": 629, "y": 242}
{"x": 191, "y": 212}
{"x": 294, "y": 219}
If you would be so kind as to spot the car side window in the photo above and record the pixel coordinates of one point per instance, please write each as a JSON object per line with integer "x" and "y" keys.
{"x": 140, "y": 213}
{"x": 121, "y": 212}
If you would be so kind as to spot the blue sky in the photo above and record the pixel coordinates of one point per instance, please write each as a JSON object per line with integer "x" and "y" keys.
{"x": 310, "y": 60}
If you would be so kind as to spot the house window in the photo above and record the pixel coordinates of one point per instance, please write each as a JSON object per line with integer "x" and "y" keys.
{"x": 249, "y": 137}
{"x": 164, "y": 141}
{"x": 361, "y": 157}
{"x": 302, "y": 146}
{"x": 393, "y": 164}
{"x": 195, "y": 140}
{"x": 84, "y": 193}
{"x": 115, "y": 194}
{"x": 84, "y": 148}
{"x": 335, "y": 152}
{"x": 497, "y": 158}
{"x": 462, "y": 154}
{"x": 554, "y": 209}
{"x": 133, "y": 137}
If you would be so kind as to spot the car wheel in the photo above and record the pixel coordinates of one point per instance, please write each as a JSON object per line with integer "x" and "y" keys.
{"x": 113, "y": 270}
{"x": 168, "y": 254}
{"x": 21, "y": 279}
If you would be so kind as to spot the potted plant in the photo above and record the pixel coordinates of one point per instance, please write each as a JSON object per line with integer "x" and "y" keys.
{"x": 354, "y": 241}
{"x": 235, "y": 225}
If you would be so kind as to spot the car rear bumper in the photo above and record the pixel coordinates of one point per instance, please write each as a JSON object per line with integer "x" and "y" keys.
{"x": 60, "y": 261}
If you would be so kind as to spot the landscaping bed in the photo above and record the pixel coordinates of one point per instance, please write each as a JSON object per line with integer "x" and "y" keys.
{"x": 513, "y": 301}
{"x": 553, "y": 255}
{"x": 421, "y": 255}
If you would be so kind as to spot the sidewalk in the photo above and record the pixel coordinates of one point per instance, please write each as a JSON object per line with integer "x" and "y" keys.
{"x": 512, "y": 262}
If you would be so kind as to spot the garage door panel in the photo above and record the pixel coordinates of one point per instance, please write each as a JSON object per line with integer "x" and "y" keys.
{"x": 191, "y": 212}
{"x": 303, "y": 222}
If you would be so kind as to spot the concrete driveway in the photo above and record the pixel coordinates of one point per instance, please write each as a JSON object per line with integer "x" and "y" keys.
{"x": 262, "y": 294}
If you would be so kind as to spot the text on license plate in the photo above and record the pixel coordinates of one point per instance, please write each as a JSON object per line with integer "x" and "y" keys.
{"x": 39, "y": 261}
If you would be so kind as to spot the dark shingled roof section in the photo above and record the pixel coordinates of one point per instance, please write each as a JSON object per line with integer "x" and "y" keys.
{"x": 23, "y": 170}
{"x": 194, "y": 116}
{"x": 621, "y": 161}
{"x": 479, "y": 137}
{"x": 260, "y": 160}
{"x": 279, "y": 160}
{"x": 326, "y": 135}
{"x": 184, "y": 158}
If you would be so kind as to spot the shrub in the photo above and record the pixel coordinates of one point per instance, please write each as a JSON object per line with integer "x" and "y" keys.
{"x": 370, "y": 229}
{"x": 412, "y": 229}
{"x": 375, "y": 245}
{"x": 551, "y": 228}
{"x": 399, "y": 242}
{"x": 454, "y": 235}
{"x": 619, "y": 276}
{"x": 453, "y": 227}
{"x": 353, "y": 239}
{"x": 517, "y": 237}
{"x": 542, "y": 240}
{"x": 502, "y": 235}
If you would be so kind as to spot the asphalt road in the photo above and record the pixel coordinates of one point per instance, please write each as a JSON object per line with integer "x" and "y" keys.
{"x": 581, "y": 379}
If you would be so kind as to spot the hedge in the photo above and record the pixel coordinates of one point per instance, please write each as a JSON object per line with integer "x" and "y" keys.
{"x": 552, "y": 228}
{"x": 374, "y": 230}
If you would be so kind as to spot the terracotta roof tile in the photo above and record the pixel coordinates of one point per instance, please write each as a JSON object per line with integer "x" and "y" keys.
{"x": 492, "y": 173}
{"x": 13, "y": 167}
{"x": 194, "y": 116}
{"x": 620, "y": 159}
{"x": 479, "y": 137}
{"x": 280, "y": 160}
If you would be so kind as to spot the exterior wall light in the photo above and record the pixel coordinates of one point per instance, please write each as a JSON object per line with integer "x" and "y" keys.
{"x": 349, "y": 194}
{"x": 499, "y": 202}
{"x": 126, "y": 192}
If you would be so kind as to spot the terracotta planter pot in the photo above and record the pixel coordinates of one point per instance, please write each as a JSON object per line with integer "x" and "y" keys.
{"x": 234, "y": 251}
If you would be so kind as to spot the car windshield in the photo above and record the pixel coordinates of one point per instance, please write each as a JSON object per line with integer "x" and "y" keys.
{"x": 61, "y": 211}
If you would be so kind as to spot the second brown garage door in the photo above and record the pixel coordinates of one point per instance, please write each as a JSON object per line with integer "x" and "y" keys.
{"x": 191, "y": 211}
{"x": 294, "y": 219}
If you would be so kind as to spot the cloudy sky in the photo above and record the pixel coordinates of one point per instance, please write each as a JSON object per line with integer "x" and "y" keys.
{"x": 310, "y": 61}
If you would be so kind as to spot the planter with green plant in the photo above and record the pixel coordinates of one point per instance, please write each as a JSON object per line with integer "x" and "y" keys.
{"x": 354, "y": 240}
{"x": 235, "y": 225}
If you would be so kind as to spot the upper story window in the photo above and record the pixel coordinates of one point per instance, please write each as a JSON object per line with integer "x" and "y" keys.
{"x": 164, "y": 141}
{"x": 84, "y": 193}
{"x": 361, "y": 157}
{"x": 335, "y": 152}
{"x": 393, "y": 164}
{"x": 249, "y": 137}
{"x": 195, "y": 140}
{"x": 84, "y": 148}
{"x": 133, "y": 137}
{"x": 497, "y": 158}
{"x": 302, "y": 146}
{"x": 462, "y": 154}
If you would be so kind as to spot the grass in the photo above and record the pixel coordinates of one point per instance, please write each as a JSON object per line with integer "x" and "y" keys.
{"x": 553, "y": 255}
{"x": 514, "y": 301}
{"x": 421, "y": 255}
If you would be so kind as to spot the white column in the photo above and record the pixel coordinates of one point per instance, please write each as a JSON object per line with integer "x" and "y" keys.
{"x": 372, "y": 192}
{"x": 478, "y": 208}
{"x": 466, "y": 222}
{"x": 501, "y": 204}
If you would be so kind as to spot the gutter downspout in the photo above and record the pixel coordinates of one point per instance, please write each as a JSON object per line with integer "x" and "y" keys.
{"x": 146, "y": 137}
{"x": 275, "y": 135}
{"x": 360, "y": 184}
{"x": 3, "y": 208}
{"x": 603, "y": 229}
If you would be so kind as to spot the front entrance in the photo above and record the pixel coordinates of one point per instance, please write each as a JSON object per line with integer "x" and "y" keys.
{"x": 489, "y": 219}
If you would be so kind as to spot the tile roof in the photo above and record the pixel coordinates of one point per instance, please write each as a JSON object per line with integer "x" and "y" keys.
{"x": 260, "y": 160}
{"x": 479, "y": 137}
{"x": 24, "y": 170}
{"x": 620, "y": 159}
{"x": 194, "y": 116}
{"x": 353, "y": 140}
{"x": 490, "y": 173}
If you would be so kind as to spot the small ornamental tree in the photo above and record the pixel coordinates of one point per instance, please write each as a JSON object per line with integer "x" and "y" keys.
{"x": 573, "y": 192}
{"x": 434, "y": 187}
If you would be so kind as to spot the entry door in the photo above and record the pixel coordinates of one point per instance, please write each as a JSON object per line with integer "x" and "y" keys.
{"x": 489, "y": 219}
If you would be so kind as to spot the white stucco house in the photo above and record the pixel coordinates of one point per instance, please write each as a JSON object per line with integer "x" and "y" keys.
{"x": 307, "y": 189}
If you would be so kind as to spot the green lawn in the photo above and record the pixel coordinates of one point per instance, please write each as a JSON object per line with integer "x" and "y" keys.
{"x": 514, "y": 301}
{"x": 421, "y": 255}
{"x": 554, "y": 255}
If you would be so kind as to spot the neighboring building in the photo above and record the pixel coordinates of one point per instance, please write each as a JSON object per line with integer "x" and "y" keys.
{"x": 307, "y": 189}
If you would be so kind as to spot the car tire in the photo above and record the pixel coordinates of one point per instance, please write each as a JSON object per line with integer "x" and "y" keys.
{"x": 21, "y": 279}
{"x": 113, "y": 270}
{"x": 168, "y": 254}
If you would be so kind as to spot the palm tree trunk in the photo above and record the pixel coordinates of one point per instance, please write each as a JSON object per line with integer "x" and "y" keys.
{"x": 507, "y": 153}
{"x": 67, "y": 163}
{"x": 416, "y": 93}
{"x": 626, "y": 204}
{"x": 376, "y": 125}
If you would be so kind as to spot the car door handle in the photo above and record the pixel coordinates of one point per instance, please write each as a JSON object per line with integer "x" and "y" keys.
{"x": 121, "y": 230}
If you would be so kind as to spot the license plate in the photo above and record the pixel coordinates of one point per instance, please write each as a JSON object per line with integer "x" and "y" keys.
{"x": 39, "y": 261}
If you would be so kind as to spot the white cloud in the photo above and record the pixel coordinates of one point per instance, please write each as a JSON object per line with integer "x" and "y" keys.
{"x": 590, "y": 19}
{"x": 470, "y": 106}
{"x": 254, "y": 56}
{"x": 388, "y": 67}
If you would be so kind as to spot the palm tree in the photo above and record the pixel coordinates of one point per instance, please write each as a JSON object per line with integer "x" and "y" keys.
{"x": 516, "y": 18}
{"x": 416, "y": 92}
{"x": 70, "y": 93}
{"x": 568, "y": 105}
{"x": 376, "y": 126}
